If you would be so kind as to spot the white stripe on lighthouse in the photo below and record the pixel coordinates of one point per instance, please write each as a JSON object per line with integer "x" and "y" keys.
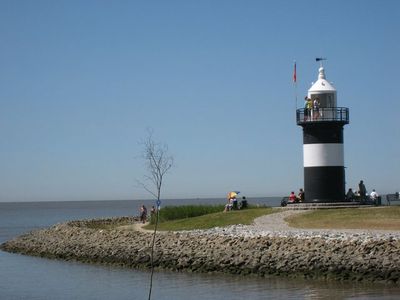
{"x": 323, "y": 155}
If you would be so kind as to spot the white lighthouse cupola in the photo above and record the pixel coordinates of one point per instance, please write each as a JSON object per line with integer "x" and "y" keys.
{"x": 323, "y": 90}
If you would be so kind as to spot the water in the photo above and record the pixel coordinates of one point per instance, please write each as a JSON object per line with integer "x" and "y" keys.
{"x": 25, "y": 277}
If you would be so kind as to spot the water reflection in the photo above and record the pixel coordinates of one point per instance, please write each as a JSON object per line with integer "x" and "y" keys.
{"x": 49, "y": 279}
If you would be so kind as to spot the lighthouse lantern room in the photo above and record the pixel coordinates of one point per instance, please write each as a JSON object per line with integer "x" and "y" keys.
{"x": 323, "y": 152}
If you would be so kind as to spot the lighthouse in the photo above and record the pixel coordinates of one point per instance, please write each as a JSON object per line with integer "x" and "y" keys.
{"x": 323, "y": 151}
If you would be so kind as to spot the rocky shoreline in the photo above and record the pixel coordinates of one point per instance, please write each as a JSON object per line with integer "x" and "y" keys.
{"x": 236, "y": 249}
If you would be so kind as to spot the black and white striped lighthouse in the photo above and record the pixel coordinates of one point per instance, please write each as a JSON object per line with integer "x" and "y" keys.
{"x": 323, "y": 153}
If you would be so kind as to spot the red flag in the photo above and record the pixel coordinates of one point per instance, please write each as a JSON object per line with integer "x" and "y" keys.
{"x": 294, "y": 73}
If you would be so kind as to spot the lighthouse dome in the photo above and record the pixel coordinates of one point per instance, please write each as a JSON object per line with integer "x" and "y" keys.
{"x": 321, "y": 85}
{"x": 323, "y": 90}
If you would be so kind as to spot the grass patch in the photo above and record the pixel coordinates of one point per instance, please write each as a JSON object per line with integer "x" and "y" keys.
{"x": 219, "y": 219}
{"x": 385, "y": 218}
{"x": 186, "y": 211}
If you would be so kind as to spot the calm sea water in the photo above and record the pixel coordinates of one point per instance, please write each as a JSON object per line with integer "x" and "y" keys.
{"x": 25, "y": 277}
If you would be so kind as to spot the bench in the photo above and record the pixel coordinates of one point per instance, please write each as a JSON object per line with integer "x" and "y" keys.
{"x": 392, "y": 197}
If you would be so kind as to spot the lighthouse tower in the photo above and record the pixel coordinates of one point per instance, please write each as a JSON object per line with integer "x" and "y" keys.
{"x": 323, "y": 154}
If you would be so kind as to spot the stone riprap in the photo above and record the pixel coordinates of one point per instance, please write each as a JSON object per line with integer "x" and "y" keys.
{"x": 236, "y": 249}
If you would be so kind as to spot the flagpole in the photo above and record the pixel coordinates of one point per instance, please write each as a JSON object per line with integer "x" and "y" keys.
{"x": 295, "y": 83}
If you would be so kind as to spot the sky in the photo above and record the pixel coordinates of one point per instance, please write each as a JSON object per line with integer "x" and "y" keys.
{"x": 82, "y": 81}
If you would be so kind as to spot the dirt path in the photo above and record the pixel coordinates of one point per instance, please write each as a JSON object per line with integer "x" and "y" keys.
{"x": 136, "y": 227}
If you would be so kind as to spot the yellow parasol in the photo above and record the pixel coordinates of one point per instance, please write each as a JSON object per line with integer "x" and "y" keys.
{"x": 232, "y": 194}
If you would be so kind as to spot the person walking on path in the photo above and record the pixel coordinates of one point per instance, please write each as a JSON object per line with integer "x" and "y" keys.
{"x": 143, "y": 214}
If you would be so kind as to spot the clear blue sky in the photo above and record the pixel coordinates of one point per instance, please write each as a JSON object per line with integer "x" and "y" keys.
{"x": 80, "y": 81}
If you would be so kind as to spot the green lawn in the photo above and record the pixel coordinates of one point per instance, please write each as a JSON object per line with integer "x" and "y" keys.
{"x": 220, "y": 219}
{"x": 387, "y": 218}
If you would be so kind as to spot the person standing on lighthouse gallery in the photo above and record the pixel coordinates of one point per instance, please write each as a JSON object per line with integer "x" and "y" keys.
{"x": 316, "y": 105}
{"x": 305, "y": 108}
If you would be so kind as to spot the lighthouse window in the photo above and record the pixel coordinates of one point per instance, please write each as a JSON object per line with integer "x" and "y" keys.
{"x": 325, "y": 100}
{"x": 330, "y": 101}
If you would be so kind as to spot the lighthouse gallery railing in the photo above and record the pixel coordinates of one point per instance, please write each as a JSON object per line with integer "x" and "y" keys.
{"x": 325, "y": 114}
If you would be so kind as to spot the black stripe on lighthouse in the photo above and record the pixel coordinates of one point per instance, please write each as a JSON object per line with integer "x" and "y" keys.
{"x": 323, "y": 155}
{"x": 330, "y": 133}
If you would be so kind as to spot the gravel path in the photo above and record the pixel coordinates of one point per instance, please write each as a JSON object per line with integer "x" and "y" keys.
{"x": 276, "y": 222}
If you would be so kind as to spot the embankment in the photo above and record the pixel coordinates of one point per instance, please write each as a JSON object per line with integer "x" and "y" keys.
{"x": 216, "y": 251}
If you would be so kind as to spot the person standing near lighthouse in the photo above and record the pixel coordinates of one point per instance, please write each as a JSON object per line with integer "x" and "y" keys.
{"x": 362, "y": 190}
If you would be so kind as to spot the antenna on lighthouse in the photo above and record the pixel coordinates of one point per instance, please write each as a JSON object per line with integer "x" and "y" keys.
{"x": 320, "y": 59}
